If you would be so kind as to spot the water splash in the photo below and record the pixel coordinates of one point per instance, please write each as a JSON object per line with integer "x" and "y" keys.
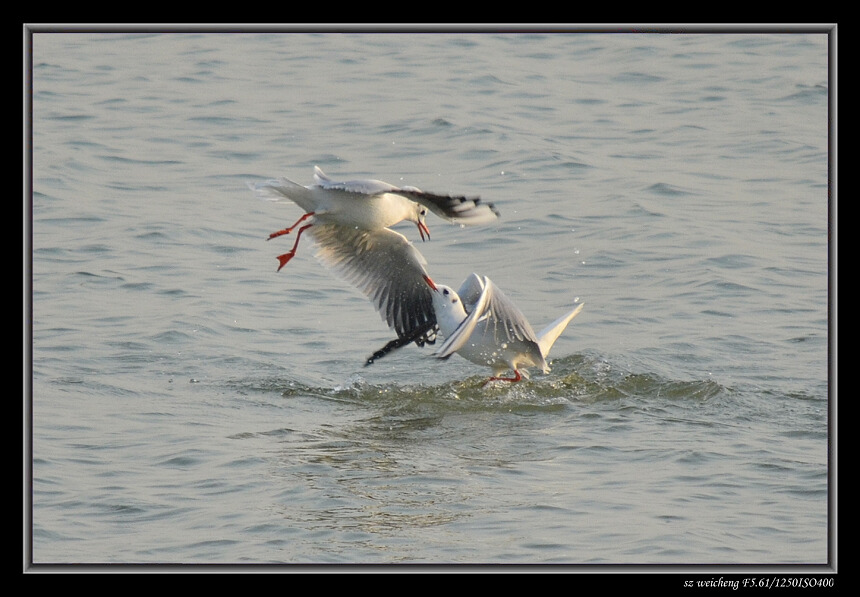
{"x": 576, "y": 379}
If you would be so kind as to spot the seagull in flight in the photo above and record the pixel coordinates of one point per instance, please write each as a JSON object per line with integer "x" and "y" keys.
{"x": 367, "y": 205}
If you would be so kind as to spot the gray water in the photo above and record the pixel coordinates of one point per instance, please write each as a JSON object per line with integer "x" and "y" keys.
{"x": 191, "y": 405}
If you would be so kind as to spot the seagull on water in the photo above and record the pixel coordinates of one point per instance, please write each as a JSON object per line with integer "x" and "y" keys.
{"x": 367, "y": 205}
{"x": 484, "y": 326}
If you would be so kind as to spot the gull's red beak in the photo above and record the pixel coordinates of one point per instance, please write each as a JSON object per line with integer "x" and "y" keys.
{"x": 429, "y": 282}
{"x": 423, "y": 229}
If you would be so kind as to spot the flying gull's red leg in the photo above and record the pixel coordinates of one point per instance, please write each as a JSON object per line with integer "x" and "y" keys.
{"x": 285, "y": 258}
{"x": 290, "y": 229}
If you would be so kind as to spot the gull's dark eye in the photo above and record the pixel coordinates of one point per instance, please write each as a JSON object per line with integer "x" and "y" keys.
{"x": 445, "y": 292}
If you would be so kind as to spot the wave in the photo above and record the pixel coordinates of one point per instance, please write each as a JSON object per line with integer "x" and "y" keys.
{"x": 574, "y": 379}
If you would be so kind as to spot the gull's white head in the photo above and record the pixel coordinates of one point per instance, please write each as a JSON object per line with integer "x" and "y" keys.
{"x": 417, "y": 215}
{"x": 446, "y": 302}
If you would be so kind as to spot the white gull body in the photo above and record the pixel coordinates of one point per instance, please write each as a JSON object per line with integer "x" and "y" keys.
{"x": 484, "y": 326}
{"x": 368, "y": 205}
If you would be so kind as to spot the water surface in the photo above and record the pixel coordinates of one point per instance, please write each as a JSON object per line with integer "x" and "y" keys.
{"x": 191, "y": 405}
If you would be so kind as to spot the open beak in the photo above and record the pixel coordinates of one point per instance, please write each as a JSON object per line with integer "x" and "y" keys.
{"x": 423, "y": 229}
{"x": 429, "y": 282}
